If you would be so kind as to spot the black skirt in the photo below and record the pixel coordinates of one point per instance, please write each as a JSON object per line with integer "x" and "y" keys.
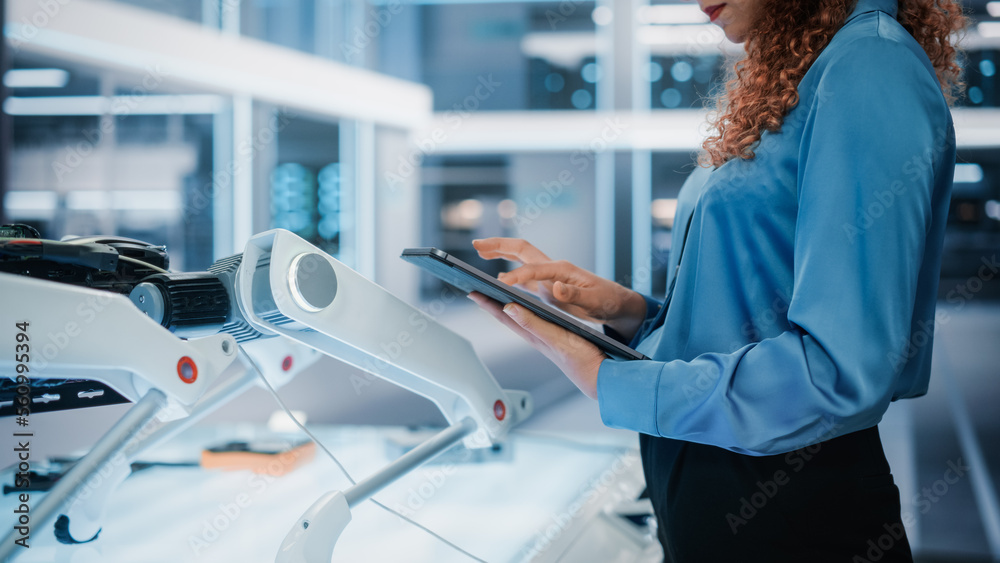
{"x": 832, "y": 501}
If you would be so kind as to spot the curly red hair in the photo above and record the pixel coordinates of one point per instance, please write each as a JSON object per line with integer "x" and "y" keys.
{"x": 762, "y": 86}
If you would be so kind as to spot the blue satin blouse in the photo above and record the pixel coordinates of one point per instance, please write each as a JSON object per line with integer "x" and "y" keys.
{"x": 805, "y": 295}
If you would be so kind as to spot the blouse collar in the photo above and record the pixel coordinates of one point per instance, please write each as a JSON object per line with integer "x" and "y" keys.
{"x": 890, "y": 7}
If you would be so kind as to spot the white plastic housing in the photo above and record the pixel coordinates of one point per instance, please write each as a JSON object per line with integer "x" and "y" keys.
{"x": 287, "y": 286}
{"x": 81, "y": 333}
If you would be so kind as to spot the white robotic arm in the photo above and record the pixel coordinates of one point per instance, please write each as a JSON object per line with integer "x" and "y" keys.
{"x": 278, "y": 360}
{"x": 289, "y": 287}
{"x": 71, "y": 331}
{"x": 283, "y": 286}
{"x": 280, "y": 286}
{"x": 79, "y": 332}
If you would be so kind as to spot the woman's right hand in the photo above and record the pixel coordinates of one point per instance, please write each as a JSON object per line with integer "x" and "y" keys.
{"x": 572, "y": 289}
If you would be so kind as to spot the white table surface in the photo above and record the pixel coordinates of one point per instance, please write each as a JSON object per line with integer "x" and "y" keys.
{"x": 497, "y": 510}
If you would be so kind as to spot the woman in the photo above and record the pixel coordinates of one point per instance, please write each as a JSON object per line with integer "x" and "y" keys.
{"x": 802, "y": 288}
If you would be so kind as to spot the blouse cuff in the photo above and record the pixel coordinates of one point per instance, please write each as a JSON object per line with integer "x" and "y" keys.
{"x": 627, "y": 394}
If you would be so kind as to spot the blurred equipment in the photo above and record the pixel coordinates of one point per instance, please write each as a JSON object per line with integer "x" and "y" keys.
{"x": 108, "y": 263}
{"x": 163, "y": 345}
{"x": 274, "y": 459}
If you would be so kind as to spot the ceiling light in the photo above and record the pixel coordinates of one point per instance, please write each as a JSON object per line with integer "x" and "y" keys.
{"x": 968, "y": 173}
{"x": 35, "y": 78}
{"x": 989, "y": 29}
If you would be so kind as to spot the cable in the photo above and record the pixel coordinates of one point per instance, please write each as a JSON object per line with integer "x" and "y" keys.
{"x": 288, "y": 411}
{"x": 295, "y": 420}
{"x": 94, "y": 256}
{"x": 428, "y": 530}
{"x": 131, "y": 260}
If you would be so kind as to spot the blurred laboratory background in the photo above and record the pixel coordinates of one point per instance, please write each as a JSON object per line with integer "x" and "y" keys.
{"x": 367, "y": 127}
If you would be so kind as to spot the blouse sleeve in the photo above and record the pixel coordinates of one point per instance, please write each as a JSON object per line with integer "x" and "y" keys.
{"x": 870, "y": 152}
{"x": 652, "y": 309}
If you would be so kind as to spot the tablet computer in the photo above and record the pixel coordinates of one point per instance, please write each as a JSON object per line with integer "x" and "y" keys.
{"x": 469, "y": 278}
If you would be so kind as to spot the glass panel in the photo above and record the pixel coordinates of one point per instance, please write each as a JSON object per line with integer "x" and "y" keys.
{"x": 464, "y": 198}
{"x": 126, "y": 165}
{"x": 982, "y": 83}
{"x": 670, "y": 169}
{"x": 534, "y": 55}
{"x": 682, "y": 81}
{"x": 186, "y": 9}
{"x": 973, "y": 232}
{"x": 289, "y": 23}
{"x": 305, "y": 184}
{"x": 544, "y": 198}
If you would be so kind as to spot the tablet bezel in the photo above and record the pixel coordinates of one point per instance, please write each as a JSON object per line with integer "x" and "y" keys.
{"x": 495, "y": 289}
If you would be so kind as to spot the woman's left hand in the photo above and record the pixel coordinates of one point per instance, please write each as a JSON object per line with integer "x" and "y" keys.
{"x": 578, "y": 359}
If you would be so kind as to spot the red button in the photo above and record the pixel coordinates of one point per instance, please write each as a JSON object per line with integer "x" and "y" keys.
{"x": 499, "y": 410}
{"x": 187, "y": 370}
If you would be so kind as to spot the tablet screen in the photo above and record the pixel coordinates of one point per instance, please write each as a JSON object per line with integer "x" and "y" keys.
{"x": 469, "y": 278}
